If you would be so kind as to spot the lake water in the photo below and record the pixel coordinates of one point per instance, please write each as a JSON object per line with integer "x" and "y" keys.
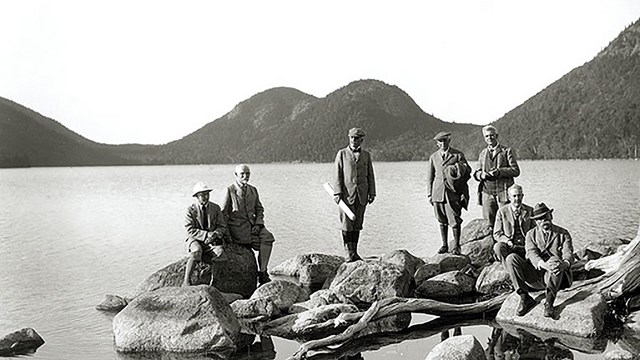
{"x": 68, "y": 236}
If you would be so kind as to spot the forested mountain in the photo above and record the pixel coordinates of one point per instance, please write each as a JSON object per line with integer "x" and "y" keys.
{"x": 591, "y": 112}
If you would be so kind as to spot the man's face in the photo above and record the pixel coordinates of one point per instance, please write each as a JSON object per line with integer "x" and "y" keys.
{"x": 443, "y": 144}
{"x": 355, "y": 141}
{"x": 242, "y": 175}
{"x": 203, "y": 197}
{"x": 490, "y": 137}
{"x": 545, "y": 222}
{"x": 515, "y": 196}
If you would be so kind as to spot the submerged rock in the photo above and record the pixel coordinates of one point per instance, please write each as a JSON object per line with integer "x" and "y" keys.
{"x": 113, "y": 303}
{"x": 578, "y": 313}
{"x": 460, "y": 347}
{"x": 21, "y": 342}
{"x": 237, "y": 274}
{"x": 363, "y": 282}
{"x": 194, "y": 319}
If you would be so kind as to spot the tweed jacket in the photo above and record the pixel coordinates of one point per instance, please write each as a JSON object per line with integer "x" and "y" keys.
{"x": 436, "y": 186}
{"x": 503, "y": 229}
{"x": 353, "y": 177}
{"x": 242, "y": 212}
{"x": 559, "y": 244}
{"x": 507, "y": 167}
{"x": 194, "y": 221}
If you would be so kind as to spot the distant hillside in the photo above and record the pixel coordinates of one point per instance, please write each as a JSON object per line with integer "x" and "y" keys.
{"x": 591, "y": 112}
{"x": 284, "y": 124}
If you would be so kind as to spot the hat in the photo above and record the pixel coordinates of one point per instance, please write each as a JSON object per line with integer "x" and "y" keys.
{"x": 540, "y": 210}
{"x": 357, "y": 132}
{"x": 441, "y": 136}
{"x": 200, "y": 187}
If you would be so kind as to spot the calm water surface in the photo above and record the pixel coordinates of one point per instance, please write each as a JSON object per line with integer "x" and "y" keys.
{"x": 68, "y": 236}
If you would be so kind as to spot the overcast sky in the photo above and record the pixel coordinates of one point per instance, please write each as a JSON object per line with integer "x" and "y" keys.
{"x": 155, "y": 71}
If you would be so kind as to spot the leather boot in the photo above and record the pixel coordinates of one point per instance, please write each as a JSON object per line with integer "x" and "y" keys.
{"x": 346, "y": 239}
{"x": 353, "y": 253}
{"x": 456, "y": 240}
{"x": 526, "y": 303}
{"x": 548, "y": 305}
{"x": 444, "y": 235}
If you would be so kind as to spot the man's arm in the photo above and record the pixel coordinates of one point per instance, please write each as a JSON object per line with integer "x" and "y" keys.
{"x": 192, "y": 226}
{"x": 338, "y": 177}
{"x": 371, "y": 178}
{"x": 259, "y": 210}
{"x": 431, "y": 174}
{"x": 532, "y": 251}
{"x": 498, "y": 231}
{"x": 477, "y": 174}
{"x": 221, "y": 223}
{"x": 225, "y": 205}
{"x": 512, "y": 170}
{"x": 567, "y": 248}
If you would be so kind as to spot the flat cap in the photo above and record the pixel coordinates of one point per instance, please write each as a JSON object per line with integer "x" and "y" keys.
{"x": 441, "y": 136}
{"x": 356, "y": 131}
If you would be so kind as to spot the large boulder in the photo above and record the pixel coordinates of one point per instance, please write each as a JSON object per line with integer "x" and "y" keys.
{"x": 253, "y": 308}
{"x": 112, "y": 303}
{"x": 425, "y": 272}
{"x": 364, "y": 282}
{"x": 480, "y": 251}
{"x": 578, "y": 313}
{"x": 283, "y": 293}
{"x": 476, "y": 229}
{"x": 403, "y": 259}
{"x": 236, "y": 274}
{"x": 21, "y": 342}
{"x": 462, "y": 347}
{"x": 494, "y": 280}
{"x": 447, "y": 286}
{"x": 319, "y": 298}
{"x": 312, "y": 269}
{"x": 194, "y": 319}
{"x": 448, "y": 262}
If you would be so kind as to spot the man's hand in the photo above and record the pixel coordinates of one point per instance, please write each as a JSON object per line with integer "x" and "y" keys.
{"x": 336, "y": 198}
{"x": 371, "y": 198}
{"x": 492, "y": 174}
{"x": 510, "y": 243}
{"x": 554, "y": 265}
{"x": 255, "y": 230}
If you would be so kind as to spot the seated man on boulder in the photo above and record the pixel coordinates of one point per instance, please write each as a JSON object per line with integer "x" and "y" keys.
{"x": 245, "y": 216}
{"x": 549, "y": 251}
{"x": 513, "y": 221}
{"x": 206, "y": 228}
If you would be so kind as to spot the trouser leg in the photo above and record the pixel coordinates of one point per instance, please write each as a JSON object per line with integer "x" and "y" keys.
{"x": 346, "y": 240}
{"x": 501, "y": 251}
{"x": 523, "y": 275}
{"x": 187, "y": 271}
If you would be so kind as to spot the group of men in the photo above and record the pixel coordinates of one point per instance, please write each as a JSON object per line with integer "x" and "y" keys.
{"x": 537, "y": 253}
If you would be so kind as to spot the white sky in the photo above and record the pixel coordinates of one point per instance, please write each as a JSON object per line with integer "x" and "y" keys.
{"x": 155, "y": 71}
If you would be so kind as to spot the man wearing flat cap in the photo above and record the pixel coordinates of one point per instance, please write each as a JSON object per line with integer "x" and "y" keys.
{"x": 549, "y": 251}
{"x": 497, "y": 166}
{"x": 447, "y": 189}
{"x": 355, "y": 184}
{"x": 206, "y": 229}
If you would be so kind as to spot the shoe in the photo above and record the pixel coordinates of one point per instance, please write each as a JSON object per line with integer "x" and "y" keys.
{"x": 548, "y": 311}
{"x": 526, "y": 304}
{"x": 443, "y": 250}
{"x": 263, "y": 277}
{"x": 455, "y": 251}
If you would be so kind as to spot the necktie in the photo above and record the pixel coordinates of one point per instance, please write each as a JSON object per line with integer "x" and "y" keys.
{"x": 516, "y": 214}
{"x": 205, "y": 217}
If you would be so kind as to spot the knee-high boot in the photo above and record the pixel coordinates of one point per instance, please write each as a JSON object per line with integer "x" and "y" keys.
{"x": 346, "y": 240}
{"x": 444, "y": 235}
{"x": 353, "y": 256}
{"x": 456, "y": 240}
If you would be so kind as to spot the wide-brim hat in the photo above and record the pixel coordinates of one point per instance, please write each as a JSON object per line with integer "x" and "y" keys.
{"x": 356, "y": 132}
{"x": 200, "y": 187}
{"x": 441, "y": 136}
{"x": 540, "y": 210}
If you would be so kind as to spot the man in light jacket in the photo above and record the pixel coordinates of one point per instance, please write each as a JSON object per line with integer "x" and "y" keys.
{"x": 513, "y": 221}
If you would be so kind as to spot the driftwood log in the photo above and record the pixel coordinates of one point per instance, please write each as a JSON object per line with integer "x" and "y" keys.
{"x": 621, "y": 278}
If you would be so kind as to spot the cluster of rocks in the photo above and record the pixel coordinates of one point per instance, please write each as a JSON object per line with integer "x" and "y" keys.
{"x": 310, "y": 289}
{"x": 21, "y": 342}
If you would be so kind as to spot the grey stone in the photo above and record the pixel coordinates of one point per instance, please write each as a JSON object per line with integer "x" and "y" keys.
{"x": 364, "y": 282}
{"x": 283, "y": 293}
{"x": 320, "y": 314}
{"x": 20, "y": 342}
{"x": 448, "y": 262}
{"x": 578, "y": 313}
{"x": 312, "y": 269}
{"x": 258, "y": 307}
{"x": 600, "y": 248}
{"x": 112, "y": 303}
{"x": 193, "y": 319}
{"x": 476, "y": 229}
{"x": 317, "y": 299}
{"x": 462, "y": 347}
{"x": 425, "y": 272}
{"x": 494, "y": 280}
{"x": 480, "y": 252}
{"x": 403, "y": 259}
{"x": 448, "y": 285}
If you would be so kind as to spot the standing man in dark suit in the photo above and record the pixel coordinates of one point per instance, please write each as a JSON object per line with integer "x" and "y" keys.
{"x": 245, "y": 218}
{"x": 497, "y": 166}
{"x": 447, "y": 177}
{"x": 206, "y": 228}
{"x": 549, "y": 249}
{"x": 513, "y": 221}
{"x": 355, "y": 184}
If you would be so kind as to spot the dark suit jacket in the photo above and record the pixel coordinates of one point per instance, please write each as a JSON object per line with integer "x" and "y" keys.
{"x": 507, "y": 167}
{"x": 559, "y": 245}
{"x": 194, "y": 221}
{"x": 503, "y": 229}
{"x": 353, "y": 177}
{"x": 435, "y": 173}
{"x": 242, "y": 213}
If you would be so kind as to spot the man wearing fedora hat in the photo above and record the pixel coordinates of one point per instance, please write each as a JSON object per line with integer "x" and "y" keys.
{"x": 206, "y": 228}
{"x": 447, "y": 189}
{"x": 549, "y": 249}
{"x": 355, "y": 184}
